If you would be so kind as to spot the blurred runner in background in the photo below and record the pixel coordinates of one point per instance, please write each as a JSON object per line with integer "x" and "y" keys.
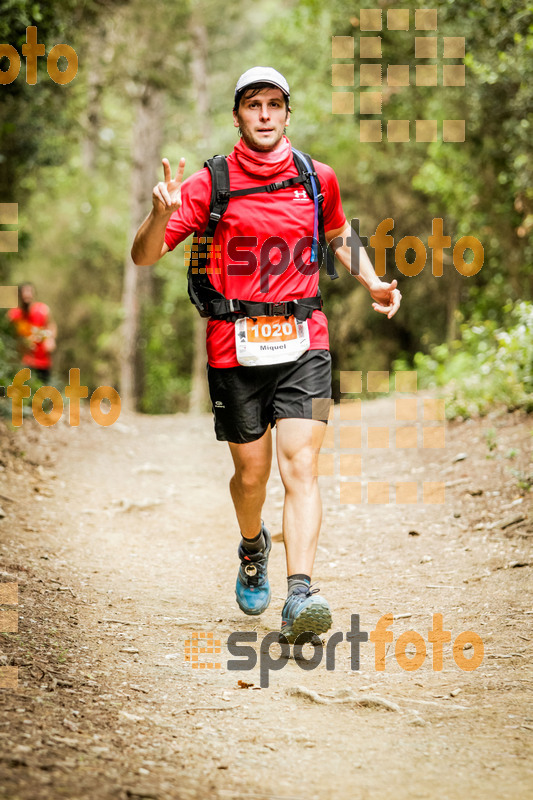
{"x": 35, "y": 332}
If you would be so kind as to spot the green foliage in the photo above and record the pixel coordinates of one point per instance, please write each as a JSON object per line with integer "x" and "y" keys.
{"x": 167, "y": 349}
{"x": 8, "y": 350}
{"x": 52, "y": 17}
{"x": 523, "y": 481}
{"x": 35, "y": 119}
{"x": 490, "y": 438}
{"x": 484, "y": 185}
{"x": 489, "y": 366}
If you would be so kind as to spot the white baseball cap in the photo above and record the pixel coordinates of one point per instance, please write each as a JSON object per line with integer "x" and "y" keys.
{"x": 262, "y": 75}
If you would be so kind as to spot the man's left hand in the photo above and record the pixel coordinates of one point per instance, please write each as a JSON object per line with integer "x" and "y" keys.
{"x": 386, "y": 298}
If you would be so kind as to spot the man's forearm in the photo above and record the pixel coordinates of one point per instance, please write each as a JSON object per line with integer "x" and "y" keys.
{"x": 361, "y": 268}
{"x": 352, "y": 255}
{"x": 148, "y": 243}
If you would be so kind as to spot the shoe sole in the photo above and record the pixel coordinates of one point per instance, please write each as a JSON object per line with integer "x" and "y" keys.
{"x": 256, "y": 611}
{"x": 313, "y": 619}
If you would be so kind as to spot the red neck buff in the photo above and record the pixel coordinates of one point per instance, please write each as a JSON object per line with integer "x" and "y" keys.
{"x": 264, "y": 165}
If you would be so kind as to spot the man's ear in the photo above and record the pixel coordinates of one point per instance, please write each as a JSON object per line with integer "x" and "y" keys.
{"x": 236, "y": 122}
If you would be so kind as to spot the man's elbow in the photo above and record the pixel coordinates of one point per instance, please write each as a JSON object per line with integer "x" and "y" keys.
{"x": 138, "y": 259}
{"x": 141, "y": 259}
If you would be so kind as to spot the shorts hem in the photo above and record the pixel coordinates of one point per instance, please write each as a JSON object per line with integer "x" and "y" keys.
{"x": 246, "y": 401}
{"x": 223, "y": 437}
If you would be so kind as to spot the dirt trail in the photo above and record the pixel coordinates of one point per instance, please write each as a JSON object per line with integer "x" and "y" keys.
{"x": 123, "y": 541}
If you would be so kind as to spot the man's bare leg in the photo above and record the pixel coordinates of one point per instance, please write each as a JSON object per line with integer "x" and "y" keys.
{"x": 298, "y": 444}
{"x": 248, "y": 490}
{"x": 252, "y": 462}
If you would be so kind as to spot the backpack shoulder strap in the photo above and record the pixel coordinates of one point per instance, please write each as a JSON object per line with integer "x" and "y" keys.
{"x": 220, "y": 190}
{"x": 312, "y": 186}
{"x": 304, "y": 165}
{"x": 200, "y": 289}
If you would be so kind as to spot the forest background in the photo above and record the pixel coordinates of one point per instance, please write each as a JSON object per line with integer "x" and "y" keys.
{"x": 154, "y": 80}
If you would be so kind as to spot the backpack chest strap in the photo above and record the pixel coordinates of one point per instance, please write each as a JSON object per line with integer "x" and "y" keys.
{"x": 271, "y": 187}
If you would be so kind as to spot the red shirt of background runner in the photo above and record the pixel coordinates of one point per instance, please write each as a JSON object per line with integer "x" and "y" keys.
{"x": 31, "y": 325}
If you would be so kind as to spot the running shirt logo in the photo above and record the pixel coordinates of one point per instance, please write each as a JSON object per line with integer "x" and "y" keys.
{"x": 300, "y": 194}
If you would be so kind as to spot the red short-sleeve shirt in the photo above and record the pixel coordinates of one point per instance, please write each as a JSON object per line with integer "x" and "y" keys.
{"x": 32, "y": 327}
{"x": 286, "y": 213}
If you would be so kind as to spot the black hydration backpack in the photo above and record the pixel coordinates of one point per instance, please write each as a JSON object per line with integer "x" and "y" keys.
{"x": 203, "y": 295}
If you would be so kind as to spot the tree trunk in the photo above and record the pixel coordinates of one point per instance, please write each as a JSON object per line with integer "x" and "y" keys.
{"x": 453, "y": 297}
{"x": 198, "y": 401}
{"x": 89, "y": 145}
{"x": 146, "y": 148}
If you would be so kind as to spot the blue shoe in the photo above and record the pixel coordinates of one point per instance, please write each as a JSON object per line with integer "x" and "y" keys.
{"x": 304, "y": 612}
{"x": 252, "y": 589}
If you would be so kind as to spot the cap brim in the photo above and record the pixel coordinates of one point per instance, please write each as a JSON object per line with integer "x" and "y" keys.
{"x": 252, "y": 83}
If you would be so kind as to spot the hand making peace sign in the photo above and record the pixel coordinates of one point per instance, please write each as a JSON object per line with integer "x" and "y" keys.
{"x": 166, "y": 196}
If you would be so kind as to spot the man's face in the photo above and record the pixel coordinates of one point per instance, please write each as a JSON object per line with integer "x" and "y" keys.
{"x": 262, "y": 119}
{"x": 26, "y": 294}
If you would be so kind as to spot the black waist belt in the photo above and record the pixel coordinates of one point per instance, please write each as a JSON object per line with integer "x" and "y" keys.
{"x": 232, "y": 309}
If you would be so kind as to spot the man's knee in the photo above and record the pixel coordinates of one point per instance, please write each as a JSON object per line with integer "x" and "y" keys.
{"x": 299, "y": 468}
{"x": 251, "y": 476}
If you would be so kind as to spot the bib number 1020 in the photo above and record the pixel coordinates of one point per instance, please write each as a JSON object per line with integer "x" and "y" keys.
{"x": 269, "y": 330}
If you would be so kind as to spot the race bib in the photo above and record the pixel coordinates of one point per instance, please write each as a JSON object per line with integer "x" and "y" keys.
{"x": 270, "y": 340}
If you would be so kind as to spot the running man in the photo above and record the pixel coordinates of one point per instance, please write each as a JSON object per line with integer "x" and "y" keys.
{"x": 35, "y": 332}
{"x": 249, "y": 400}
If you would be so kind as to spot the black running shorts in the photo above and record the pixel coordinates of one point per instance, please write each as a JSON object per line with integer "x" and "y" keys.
{"x": 246, "y": 400}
